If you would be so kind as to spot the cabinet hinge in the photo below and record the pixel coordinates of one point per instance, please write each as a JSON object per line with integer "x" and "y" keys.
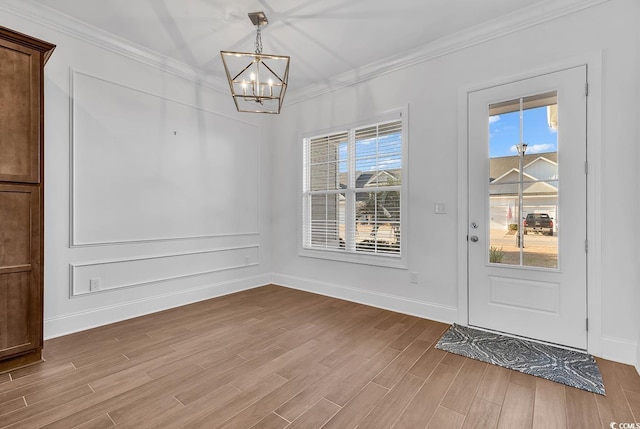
{"x": 586, "y": 246}
{"x": 586, "y": 89}
{"x": 586, "y": 167}
{"x": 587, "y": 324}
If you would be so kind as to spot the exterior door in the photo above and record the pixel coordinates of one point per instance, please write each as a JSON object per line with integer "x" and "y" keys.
{"x": 527, "y": 208}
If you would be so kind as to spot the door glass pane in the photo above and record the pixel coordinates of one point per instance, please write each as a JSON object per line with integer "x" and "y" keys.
{"x": 524, "y": 182}
{"x": 503, "y": 218}
{"x": 541, "y": 239}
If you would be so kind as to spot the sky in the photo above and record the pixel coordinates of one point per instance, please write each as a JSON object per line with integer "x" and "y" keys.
{"x": 385, "y": 155}
{"x": 504, "y": 133}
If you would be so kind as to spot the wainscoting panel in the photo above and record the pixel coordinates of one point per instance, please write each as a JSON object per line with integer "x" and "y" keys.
{"x": 100, "y": 276}
{"x": 145, "y": 168}
{"x": 110, "y": 313}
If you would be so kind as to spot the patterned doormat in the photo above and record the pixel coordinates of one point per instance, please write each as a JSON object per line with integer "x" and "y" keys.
{"x": 568, "y": 367}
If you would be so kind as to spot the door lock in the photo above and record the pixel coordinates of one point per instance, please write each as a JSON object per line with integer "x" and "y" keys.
{"x": 474, "y": 225}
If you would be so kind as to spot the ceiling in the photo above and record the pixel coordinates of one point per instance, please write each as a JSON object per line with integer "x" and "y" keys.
{"x": 324, "y": 38}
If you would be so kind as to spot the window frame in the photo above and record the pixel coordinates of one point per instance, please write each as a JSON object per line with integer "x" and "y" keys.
{"x": 346, "y": 255}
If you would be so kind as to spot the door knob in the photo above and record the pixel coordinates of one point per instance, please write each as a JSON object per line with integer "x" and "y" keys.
{"x": 473, "y": 238}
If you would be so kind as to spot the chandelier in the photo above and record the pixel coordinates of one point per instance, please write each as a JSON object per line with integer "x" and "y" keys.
{"x": 257, "y": 81}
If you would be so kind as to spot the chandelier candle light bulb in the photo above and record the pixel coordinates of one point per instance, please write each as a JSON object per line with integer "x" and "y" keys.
{"x": 253, "y": 83}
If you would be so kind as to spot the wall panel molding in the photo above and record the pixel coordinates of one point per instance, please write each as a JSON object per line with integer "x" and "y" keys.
{"x": 163, "y": 176}
{"x": 99, "y": 316}
{"x": 170, "y": 239}
{"x": 122, "y": 273}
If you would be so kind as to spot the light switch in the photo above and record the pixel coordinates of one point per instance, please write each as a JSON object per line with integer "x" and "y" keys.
{"x": 439, "y": 208}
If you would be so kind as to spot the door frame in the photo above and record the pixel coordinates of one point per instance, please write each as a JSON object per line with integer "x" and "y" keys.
{"x": 593, "y": 62}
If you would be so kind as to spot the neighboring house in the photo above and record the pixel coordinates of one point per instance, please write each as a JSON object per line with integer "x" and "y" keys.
{"x": 540, "y": 187}
{"x": 366, "y": 180}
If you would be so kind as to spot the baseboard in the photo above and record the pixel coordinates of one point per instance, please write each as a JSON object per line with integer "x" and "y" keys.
{"x": 75, "y": 322}
{"x": 427, "y": 310}
{"x": 615, "y": 349}
{"x": 620, "y": 350}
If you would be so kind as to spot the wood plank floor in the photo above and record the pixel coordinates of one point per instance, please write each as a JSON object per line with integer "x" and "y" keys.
{"x": 272, "y": 357}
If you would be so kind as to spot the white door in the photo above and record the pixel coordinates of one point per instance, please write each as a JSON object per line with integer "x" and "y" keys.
{"x": 527, "y": 208}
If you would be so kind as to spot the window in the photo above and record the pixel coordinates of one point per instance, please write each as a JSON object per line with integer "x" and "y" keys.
{"x": 353, "y": 190}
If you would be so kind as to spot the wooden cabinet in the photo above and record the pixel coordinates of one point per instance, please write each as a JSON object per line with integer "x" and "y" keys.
{"x": 22, "y": 59}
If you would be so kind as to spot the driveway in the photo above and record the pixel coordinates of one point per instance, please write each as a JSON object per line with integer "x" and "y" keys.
{"x": 539, "y": 250}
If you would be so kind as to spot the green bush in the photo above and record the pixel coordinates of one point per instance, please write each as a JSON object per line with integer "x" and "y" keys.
{"x": 496, "y": 254}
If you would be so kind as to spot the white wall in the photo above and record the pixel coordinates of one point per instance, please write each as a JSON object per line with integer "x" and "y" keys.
{"x": 161, "y": 218}
{"x": 431, "y": 90}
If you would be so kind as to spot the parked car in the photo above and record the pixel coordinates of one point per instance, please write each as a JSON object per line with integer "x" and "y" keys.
{"x": 538, "y": 222}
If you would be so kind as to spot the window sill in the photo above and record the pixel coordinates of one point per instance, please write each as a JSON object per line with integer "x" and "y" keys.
{"x": 398, "y": 262}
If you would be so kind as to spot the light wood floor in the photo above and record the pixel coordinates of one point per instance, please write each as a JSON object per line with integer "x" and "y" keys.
{"x": 278, "y": 358}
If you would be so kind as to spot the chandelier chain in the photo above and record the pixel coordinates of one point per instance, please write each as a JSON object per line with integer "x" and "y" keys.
{"x": 258, "y": 40}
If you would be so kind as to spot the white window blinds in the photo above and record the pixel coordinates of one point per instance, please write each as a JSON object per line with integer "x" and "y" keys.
{"x": 352, "y": 190}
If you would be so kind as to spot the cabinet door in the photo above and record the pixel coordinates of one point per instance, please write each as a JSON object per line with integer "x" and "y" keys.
{"x": 20, "y": 272}
{"x": 20, "y": 108}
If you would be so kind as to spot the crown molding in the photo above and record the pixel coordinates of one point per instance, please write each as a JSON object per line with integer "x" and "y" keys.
{"x": 504, "y": 25}
{"x": 55, "y": 20}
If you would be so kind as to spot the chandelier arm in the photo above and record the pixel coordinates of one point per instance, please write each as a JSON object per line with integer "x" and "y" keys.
{"x": 242, "y": 71}
{"x": 272, "y": 72}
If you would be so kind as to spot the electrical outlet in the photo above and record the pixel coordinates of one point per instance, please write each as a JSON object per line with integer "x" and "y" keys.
{"x": 413, "y": 277}
{"x": 94, "y": 284}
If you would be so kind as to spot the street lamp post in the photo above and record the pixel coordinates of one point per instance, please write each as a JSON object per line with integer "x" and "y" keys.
{"x": 522, "y": 148}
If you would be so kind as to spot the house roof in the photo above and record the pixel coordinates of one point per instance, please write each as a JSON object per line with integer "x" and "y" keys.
{"x": 502, "y": 165}
{"x": 531, "y": 185}
{"x": 363, "y": 179}
{"x": 367, "y": 178}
